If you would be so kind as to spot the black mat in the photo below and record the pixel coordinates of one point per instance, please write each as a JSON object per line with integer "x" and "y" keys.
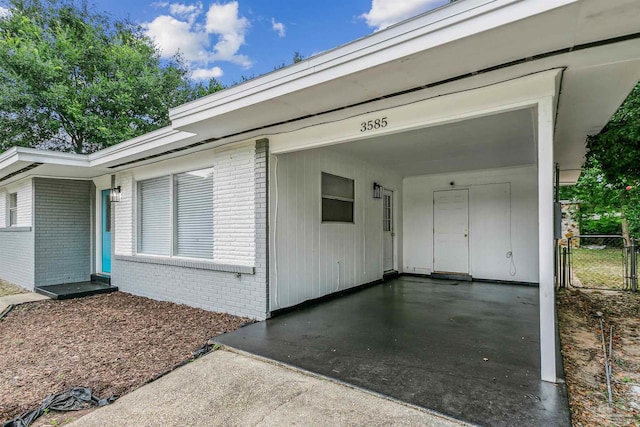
{"x": 75, "y": 290}
{"x": 424, "y": 342}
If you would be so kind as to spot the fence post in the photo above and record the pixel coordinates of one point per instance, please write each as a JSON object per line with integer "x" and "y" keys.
{"x": 634, "y": 275}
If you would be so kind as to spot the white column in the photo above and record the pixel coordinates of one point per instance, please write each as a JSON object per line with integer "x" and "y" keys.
{"x": 545, "y": 240}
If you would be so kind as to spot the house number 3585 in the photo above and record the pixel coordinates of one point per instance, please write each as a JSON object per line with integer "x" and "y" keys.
{"x": 373, "y": 124}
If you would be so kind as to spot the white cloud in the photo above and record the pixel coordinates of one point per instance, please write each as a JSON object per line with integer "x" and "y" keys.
{"x": 388, "y": 12}
{"x": 173, "y": 36}
{"x": 206, "y": 73}
{"x": 160, "y": 4}
{"x": 201, "y": 38}
{"x": 223, "y": 21}
{"x": 4, "y": 12}
{"x": 190, "y": 11}
{"x": 278, "y": 27}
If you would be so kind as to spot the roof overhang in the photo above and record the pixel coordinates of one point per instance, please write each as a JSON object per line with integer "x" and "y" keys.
{"x": 463, "y": 46}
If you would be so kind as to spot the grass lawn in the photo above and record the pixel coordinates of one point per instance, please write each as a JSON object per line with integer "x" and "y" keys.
{"x": 7, "y": 288}
{"x": 598, "y": 268}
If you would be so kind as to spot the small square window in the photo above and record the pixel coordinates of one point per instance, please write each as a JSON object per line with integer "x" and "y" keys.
{"x": 13, "y": 209}
{"x": 338, "y": 196}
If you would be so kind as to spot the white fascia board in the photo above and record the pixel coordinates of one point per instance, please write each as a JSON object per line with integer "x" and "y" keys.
{"x": 433, "y": 29}
{"x": 524, "y": 92}
{"x": 138, "y": 145}
{"x": 32, "y": 155}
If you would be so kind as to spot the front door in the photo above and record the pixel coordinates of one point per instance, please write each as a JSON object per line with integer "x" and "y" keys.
{"x": 106, "y": 232}
{"x": 387, "y": 230}
{"x": 451, "y": 231}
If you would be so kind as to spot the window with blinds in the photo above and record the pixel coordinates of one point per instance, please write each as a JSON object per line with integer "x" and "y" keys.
{"x": 194, "y": 214}
{"x": 175, "y": 215}
{"x": 13, "y": 209}
{"x": 154, "y": 216}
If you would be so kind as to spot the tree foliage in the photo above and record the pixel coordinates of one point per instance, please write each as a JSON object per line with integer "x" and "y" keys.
{"x": 75, "y": 80}
{"x": 609, "y": 186}
{"x": 617, "y": 147}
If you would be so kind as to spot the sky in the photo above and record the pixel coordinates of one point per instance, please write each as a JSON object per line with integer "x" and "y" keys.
{"x": 230, "y": 40}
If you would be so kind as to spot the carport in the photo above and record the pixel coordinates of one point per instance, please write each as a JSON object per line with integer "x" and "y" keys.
{"x": 464, "y": 349}
{"x": 472, "y": 107}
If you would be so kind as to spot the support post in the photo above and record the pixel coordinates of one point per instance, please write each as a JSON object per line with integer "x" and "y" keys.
{"x": 546, "y": 250}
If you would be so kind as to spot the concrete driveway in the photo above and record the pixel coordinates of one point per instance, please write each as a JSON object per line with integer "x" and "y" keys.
{"x": 466, "y": 349}
{"x": 230, "y": 389}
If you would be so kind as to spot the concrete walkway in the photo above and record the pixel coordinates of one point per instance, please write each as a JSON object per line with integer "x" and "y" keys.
{"x": 231, "y": 389}
{"x": 17, "y": 299}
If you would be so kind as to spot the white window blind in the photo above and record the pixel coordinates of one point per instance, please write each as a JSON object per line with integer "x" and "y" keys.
{"x": 194, "y": 214}
{"x": 154, "y": 210}
{"x": 13, "y": 209}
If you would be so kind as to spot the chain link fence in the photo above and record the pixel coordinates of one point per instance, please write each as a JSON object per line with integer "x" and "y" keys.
{"x": 600, "y": 262}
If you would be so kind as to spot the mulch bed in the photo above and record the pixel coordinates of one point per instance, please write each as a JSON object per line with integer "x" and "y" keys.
{"x": 583, "y": 356}
{"x": 112, "y": 343}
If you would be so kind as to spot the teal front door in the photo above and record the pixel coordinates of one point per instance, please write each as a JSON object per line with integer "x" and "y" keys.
{"x": 106, "y": 232}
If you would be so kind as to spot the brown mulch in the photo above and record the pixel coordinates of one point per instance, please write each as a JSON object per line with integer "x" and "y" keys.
{"x": 112, "y": 343}
{"x": 7, "y": 288}
{"x": 583, "y": 356}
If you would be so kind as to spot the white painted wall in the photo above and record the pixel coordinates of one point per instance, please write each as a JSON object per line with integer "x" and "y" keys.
{"x": 304, "y": 252}
{"x": 233, "y": 200}
{"x": 502, "y": 217}
{"x": 3, "y": 208}
{"x": 25, "y": 203}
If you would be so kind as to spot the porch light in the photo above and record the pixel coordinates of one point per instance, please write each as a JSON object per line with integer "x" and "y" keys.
{"x": 115, "y": 194}
{"x": 377, "y": 191}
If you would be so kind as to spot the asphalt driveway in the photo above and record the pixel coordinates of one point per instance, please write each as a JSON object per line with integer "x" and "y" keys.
{"x": 465, "y": 349}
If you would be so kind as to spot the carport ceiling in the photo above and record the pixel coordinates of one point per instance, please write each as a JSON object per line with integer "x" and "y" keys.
{"x": 499, "y": 140}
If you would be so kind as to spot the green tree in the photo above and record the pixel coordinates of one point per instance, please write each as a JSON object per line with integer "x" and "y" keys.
{"x": 616, "y": 153}
{"x": 617, "y": 147}
{"x": 74, "y": 80}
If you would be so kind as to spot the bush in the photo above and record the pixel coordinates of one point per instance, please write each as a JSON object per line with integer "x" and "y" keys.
{"x": 606, "y": 224}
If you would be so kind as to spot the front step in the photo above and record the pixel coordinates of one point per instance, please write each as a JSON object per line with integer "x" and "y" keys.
{"x": 101, "y": 277}
{"x": 75, "y": 290}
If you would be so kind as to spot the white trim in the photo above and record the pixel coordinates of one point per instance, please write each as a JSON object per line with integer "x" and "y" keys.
{"x": 422, "y": 33}
{"x": 501, "y": 97}
{"x": 545, "y": 240}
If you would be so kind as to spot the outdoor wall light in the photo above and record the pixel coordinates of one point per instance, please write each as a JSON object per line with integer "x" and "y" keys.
{"x": 377, "y": 191}
{"x": 115, "y": 195}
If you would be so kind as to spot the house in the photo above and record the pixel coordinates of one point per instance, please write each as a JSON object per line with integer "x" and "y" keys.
{"x": 426, "y": 148}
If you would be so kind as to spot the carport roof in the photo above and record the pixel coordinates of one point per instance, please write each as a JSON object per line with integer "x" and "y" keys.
{"x": 465, "y": 45}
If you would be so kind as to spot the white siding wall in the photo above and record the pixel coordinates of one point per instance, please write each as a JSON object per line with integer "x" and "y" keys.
{"x": 491, "y": 233}
{"x": 234, "y": 240}
{"x": 309, "y": 259}
{"x": 3, "y": 208}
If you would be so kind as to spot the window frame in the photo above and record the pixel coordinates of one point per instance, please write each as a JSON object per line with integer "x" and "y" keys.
{"x": 12, "y": 209}
{"x": 324, "y": 196}
{"x": 173, "y": 218}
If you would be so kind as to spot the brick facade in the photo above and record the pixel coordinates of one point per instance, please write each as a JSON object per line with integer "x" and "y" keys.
{"x": 62, "y": 227}
{"x": 235, "y": 281}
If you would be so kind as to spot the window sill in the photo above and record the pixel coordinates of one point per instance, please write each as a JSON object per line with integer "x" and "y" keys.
{"x": 14, "y": 229}
{"x": 187, "y": 263}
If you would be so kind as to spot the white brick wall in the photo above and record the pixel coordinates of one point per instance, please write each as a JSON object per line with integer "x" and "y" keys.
{"x": 25, "y": 203}
{"x": 124, "y": 226}
{"x": 234, "y": 205}
{"x": 3, "y": 208}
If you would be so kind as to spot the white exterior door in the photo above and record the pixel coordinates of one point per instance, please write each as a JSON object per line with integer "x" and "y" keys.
{"x": 451, "y": 231}
{"x": 387, "y": 230}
